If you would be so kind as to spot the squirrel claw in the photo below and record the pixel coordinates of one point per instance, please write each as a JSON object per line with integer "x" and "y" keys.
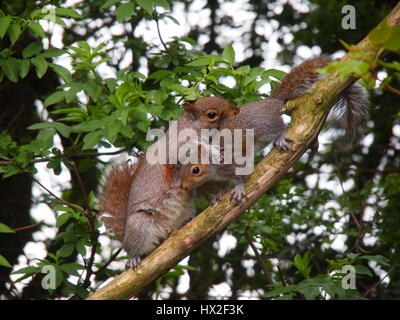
{"x": 133, "y": 263}
{"x": 238, "y": 194}
{"x": 282, "y": 143}
{"x": 216, "y": 197}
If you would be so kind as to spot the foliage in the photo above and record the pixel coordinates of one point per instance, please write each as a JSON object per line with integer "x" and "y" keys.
{"x": 292, "y": 228}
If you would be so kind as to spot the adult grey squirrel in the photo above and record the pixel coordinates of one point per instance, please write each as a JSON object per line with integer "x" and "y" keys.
{"x": 141, "y": 202}
{"x": 264, "y": 118}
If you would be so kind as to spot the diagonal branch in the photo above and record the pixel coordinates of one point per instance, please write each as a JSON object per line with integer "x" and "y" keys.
{"x": 308, "y": 115}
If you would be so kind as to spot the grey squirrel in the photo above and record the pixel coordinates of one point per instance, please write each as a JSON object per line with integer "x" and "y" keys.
{"x": 264, "y": 117}
{"x": 142, "y": 202}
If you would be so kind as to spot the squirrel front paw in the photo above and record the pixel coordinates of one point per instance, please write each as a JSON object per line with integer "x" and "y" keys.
{"x": 216, "y": 197}
{"x": 133, "y": 263}
{"x": 282, "y": 143}
{"x": 238, "y": 194}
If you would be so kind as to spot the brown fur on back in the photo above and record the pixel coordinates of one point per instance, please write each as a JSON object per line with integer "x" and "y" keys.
{"x": 300, "y": 79}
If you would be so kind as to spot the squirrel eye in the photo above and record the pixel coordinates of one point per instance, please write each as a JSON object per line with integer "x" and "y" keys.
{"x": 211, "y": 115}
{"x": 195, "y": 170}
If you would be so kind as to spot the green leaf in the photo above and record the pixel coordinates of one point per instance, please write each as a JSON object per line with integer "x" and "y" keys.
{"x": 32, "y": 49}
{"x": 88, "y": 126}
{"x": 147, "y": 5}
{"x": 62, "y": 219}
{"x": 4, "y": 24}
{"x": 41, "y": 66}
{"x": 63, "y": 129}
{"x": 352, "y": 255}
{"x": 66, "y": 250}
{"x": 160, "y": 74}
{"x": 229, "y": 54}
{"x": 51, "y": 53}
{"x": 54, "y": 98}
{"x": 202, "y": 61}
{"x": 63, "y": 72}
{"x": 80, "y": 247}
{"x": 363, "y": 270}
{"x": 4, "y": 262}
{"x": 162, "y": 3}
{"x": 109, "y": 3}
{"x": 277, "y": 74}
{"x": 5, "y": 229}
{"x": 125, "y": 10}
{"x": 91, "y": 139}
{"x": 14, "y": 31}
{"x": 37, "y": 28}
{"x": 386, "y": 36}
{"x": 281, "y": 290}
{"x": 173, "y": 20}
{"x": 310, "y": 292}
{"x": 27, "y": 270}
{"x": 24, "y": 68}
{"x": 71, "y": 268}
{"x": 10, "y": 68}
{"x": 67, "y": 12}
{"x": 93, "y": 90}
{"x": 379, "y": 259}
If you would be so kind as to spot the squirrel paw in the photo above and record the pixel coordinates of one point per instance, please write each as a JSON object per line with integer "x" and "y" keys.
{"x": 133, "y": 262}
{"x": 216, "y": 197}
{"x": 238, "y": 194}
{"x": 282, "y": 143}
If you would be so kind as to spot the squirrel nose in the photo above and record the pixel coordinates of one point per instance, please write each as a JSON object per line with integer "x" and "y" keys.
{"x": 184, "y": 186}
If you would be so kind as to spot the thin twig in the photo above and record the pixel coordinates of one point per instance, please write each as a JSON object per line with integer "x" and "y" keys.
{"x": 113, "y": 257}
{"x": 29, "y": 226}
{"x": 79, "y": 179}
{"x": 160, "y": 37}
{"x": 280, "y": 274}
{"x": 392, "y": 89}
{"x": 353, "y": 216}
{"x": 89, "y": 266}
{"x": 258, "y": 257}
{"x": 69, "y": 204}
{"x": 73, "y": 155}
{"x": 369, "y": 290}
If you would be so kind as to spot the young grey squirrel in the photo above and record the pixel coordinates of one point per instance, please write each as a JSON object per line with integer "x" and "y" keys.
{"x": 142, "y": 202}
{"x": 264, "y": 117}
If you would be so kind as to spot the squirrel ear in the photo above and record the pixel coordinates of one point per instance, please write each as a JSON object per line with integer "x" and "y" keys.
{"x": 234, "y": 110}
{"x": 187, "y": 106}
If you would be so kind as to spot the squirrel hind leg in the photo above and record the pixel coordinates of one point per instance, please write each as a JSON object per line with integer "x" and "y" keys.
{"x": 282, "y": 143}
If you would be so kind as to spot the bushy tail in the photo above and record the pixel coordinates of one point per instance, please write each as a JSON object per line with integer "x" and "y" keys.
{"x": 113, "y": 195}
{"x": 348, "y": 114}
{"x": 300, "y": 79}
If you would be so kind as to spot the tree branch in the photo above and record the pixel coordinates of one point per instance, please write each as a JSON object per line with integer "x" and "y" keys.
{"x": 308, "y": 115}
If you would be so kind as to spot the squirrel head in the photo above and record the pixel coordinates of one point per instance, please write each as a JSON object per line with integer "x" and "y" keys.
{"x": 194, "y": 175}
{"x": 210, "y": 111}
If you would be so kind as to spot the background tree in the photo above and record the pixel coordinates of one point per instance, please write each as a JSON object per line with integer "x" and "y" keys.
{"x": 335, "y": 208}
